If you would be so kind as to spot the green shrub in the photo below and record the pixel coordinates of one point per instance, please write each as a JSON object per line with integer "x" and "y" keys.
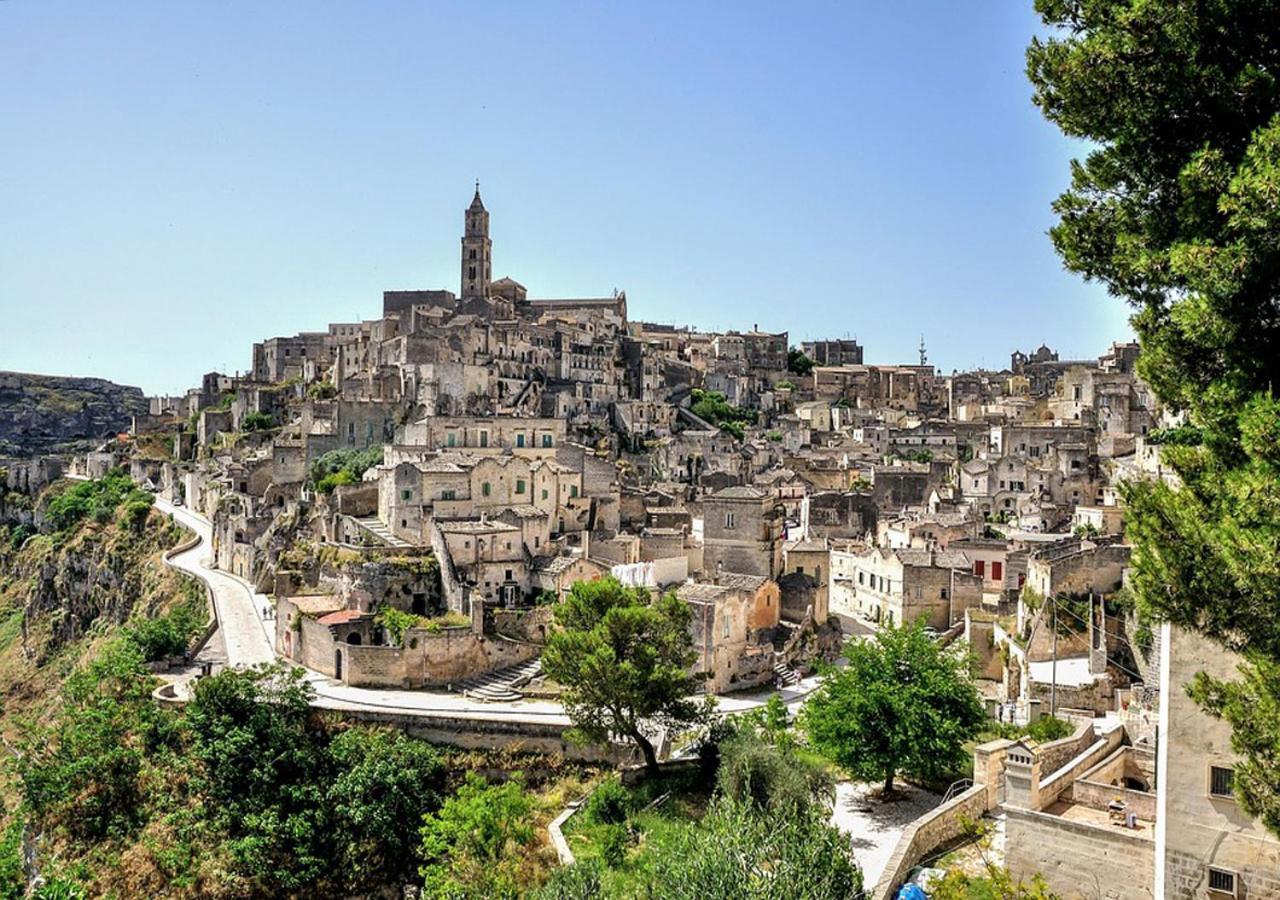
{"x": 257, "y": 421}
{"x": 333, "y": 480}
{"x": 96, "y": 500}
{"x": 614, "y": 841}
{"x": 609, "y": 804}
{"x": 582, "y": 881}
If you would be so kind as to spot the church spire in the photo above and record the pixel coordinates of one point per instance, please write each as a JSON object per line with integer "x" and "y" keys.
{"x": 476, "y": 250}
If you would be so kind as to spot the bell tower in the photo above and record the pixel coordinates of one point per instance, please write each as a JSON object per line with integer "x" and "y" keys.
{"x": 476, "y": 251}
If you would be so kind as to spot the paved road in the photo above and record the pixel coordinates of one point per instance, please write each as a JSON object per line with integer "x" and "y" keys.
{"x": 238, "y": 607}
{"x": 249, "y": 641}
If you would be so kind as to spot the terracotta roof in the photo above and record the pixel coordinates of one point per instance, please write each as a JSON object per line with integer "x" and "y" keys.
{"x": 342, "y": 617}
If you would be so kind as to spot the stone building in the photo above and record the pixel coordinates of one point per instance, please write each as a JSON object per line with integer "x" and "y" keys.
{"x": 743, "y": 531}
{"x": 1206, "y": 846}
{"x": 902, "y": 586}
{"x": 732, "y": 629}
{"x": 838, "y": 352}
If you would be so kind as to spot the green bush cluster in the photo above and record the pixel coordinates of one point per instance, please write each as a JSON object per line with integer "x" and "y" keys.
{"x": 99, "y": 501}
{"x": 713, "y": 407}
{"x": 248, "y": 790}
{"x": 171, "y": 634}
{"x": 257, "y": 421}
{"x": 339, "y": 467}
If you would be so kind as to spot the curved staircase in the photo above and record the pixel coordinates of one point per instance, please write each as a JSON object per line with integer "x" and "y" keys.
{"x": 502, "y": 685}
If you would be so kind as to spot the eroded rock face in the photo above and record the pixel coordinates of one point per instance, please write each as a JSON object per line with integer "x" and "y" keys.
{"x": 39, "y": 413}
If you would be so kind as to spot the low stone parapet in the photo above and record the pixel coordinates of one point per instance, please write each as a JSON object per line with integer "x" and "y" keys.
{"x": 929, "y": 833}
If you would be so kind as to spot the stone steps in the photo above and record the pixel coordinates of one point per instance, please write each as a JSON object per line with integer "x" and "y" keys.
{"x": 501, "y": 685}
{"x": 785, "y": 676}
{"x": 375, "y": 527}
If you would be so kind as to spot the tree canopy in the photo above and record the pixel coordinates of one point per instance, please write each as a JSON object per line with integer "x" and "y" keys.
{"x": 1176, "y": 212}
{"x": 903, "y": 704}
{"x": 623, "y": 660}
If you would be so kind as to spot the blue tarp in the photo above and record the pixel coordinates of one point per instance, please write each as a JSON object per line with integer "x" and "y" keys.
{"x": 912, "y": 892}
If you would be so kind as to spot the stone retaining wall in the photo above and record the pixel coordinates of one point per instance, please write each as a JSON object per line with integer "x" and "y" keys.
{"x": 487, "y": 734}
{"x": 1079, "y": 860}
{"x": 929, "y": 833}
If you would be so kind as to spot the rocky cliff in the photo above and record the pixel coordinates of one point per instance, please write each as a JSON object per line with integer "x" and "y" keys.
{"x": 40, "y": 413}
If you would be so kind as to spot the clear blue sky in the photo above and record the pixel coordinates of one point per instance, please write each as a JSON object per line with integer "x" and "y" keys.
{"x": 178, "y": 180}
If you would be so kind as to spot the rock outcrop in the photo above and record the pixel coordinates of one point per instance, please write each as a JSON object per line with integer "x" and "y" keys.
{"x": 40, "y": 413}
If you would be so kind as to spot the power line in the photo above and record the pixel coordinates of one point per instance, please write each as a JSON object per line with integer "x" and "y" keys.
{"x": 1110, "y": 661}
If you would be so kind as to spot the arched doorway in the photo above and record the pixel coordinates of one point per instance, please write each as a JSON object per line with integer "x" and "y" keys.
{"x": 337, "y": 664}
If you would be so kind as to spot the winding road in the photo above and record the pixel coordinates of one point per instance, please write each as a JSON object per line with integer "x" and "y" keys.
{"x": 249, "y": 641}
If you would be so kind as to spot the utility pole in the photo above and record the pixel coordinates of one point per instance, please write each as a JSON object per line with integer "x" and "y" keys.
{"x": 1053, "y": 672}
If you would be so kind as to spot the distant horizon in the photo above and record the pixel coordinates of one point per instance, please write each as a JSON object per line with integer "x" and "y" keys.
{"x": 188, "y": 181}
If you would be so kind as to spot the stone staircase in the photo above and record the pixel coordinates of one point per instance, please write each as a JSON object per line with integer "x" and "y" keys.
{"x": 502, "y": 684}
{"x": 373, "y": 525}
{"x": 784, "y": 676}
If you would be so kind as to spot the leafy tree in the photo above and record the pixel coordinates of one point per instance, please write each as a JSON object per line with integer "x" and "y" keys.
{"x": 396, "y": 622}
{"x": 472, "y": 845}
{"x": 250, "y": 730}
{"x": 1175, "y": 212}
{"x": 623, "y": 661}
{"x": 384, "y": 781}
{"x": 736, "y": 851}
{"x": 903, "y": 704}
{"x": 798, "y": 362}
{"x": 83, "y": 773}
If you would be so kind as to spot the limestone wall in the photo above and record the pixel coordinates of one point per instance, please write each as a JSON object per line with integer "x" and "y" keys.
{"x": 431, "y": 659}
{"x": 1098, "y": 794}
{"x": 1079, "y": 860}
{"x": 1056, "y": 754}
{"x": 933, "y": 830}
{"x": 473, "y": 733}
{"x": 1053, "y": 787}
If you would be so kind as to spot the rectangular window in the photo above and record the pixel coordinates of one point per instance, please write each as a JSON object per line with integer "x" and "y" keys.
{"x": 484, "y": 439}
{"x": 1221, "y": 781}
{"x": 485, "y": 489}
{"x": 730, "y": 520}
{"x": 997, "y": 571}
{"x": 1222, "y": 881}
{"x": 546, "y": 440}
{"x": 519, "y": 485}
{"x": 451, "y": 440}
{"x": 573, "y": 490}
{"x": 544, "y": 493}
{"x": 520, "y": 439}
{"x": 980, "y": 568}
{"x": 449, "y": 494}
{"x": 406, "y": 495}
